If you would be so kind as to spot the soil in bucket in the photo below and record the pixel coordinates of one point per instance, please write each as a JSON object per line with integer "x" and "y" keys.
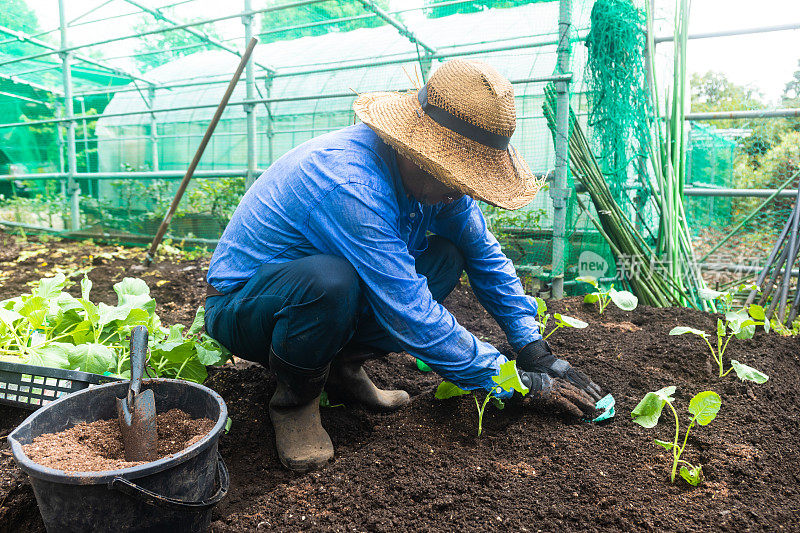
{"x": 97, "y": 446}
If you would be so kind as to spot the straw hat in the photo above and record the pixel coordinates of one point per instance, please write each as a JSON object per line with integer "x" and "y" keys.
{"x": 457, "y": 128}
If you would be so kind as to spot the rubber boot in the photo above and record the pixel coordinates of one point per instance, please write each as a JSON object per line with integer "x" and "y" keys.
{"x": 349, "y": 379}
{"x": 302, "y": 443}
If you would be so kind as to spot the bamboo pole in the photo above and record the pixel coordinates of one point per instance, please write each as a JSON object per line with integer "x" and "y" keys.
{"x": 196, "y": 160}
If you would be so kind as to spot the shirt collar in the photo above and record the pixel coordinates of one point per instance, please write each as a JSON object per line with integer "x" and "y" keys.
{"x": 405, "y": 202}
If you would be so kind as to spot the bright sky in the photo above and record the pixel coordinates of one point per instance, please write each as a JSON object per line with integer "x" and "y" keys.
{"x": 763, "y": 61}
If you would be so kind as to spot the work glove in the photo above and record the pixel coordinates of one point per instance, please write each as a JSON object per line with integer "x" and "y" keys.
{"x": 564, "y": 395}
{"x": 536, "y": 356}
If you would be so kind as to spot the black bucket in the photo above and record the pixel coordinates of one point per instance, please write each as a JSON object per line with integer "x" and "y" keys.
{"x": 173, "y": 494}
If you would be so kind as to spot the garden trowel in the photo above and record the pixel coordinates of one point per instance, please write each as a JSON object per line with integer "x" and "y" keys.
{"x": 137, "y": 411}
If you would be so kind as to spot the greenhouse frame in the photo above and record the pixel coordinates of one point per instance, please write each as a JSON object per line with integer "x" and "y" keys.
{"x": 148, "y": 125}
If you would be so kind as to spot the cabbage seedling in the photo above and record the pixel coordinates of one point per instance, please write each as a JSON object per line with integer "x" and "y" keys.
{"x": 627, "y": 301}
{"x": 562, "y": 321}
{"x": 704, "y": 408}
{"x": 508, "y": 380}
{"x": 734, "y": 324}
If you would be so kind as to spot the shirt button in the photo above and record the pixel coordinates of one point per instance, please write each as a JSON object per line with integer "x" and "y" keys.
{"x": 412, "y": 215}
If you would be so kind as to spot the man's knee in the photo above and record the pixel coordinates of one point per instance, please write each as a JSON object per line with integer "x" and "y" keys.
{"x": 334, "y": 282}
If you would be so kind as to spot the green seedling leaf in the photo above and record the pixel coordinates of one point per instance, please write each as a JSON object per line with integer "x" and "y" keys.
{"x": 681, "y": 330}
{"x": 135, "y": 293}
{"x": 8, "y": 317}
{"x": 54, "y": 355}
{"x": 448, "y": 390}
{"x": 569, "y": 321}
{"x": 757, "y": 312}
{"x": 625, "y": 300}
{"x": 694, "y": 476}
{"x": 497, "y": 402}
{"x": 86, "y": 287}
{"x": 91, "y": 357}
{"x": 591, "y": 280}
{"x": 422, "y": 366}
{"x": 541, "y": 306}
{"x": 199, "y": 321}
{"x": 664, "y": 444}
{"x": 748, "y": 373}
{"x": 705, "y": 406}
{"x": 591, "y": 298}
{"x": 35, "y": 310}
{"x": 50, "y": 287}
{"x": 648, "y": 411}
{"x": 709, "y": 294}
{"x": 325, "y": 401}
{"x": 720, "y": 328}
{"x": 508, "y": 379}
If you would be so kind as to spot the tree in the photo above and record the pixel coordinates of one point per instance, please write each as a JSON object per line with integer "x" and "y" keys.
{"x": 470, "y": 7}
{"x": 16, "y": 15}
{"x": 157, "y": 49}
{"x": 791, "y": 95}
{"x": 287, "y": 18}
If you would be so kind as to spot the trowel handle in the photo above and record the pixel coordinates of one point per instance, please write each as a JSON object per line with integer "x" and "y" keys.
{"x": 138, "y": 359}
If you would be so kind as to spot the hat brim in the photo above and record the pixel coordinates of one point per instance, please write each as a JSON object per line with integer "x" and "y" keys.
{"x": 498, "y": 177}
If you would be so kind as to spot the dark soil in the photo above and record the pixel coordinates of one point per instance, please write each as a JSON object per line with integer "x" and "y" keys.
{"x": 424, "y": 469}
{"x": 95, "y": 446}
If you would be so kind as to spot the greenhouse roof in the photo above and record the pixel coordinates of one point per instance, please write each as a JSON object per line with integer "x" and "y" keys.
{"x": 519, "y": 42}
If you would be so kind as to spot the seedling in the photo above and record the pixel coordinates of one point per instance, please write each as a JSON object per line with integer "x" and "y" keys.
{"x": 704, "y": 408}
{"x": 735, "y": 325}
{"x": 562, "y": 321}
{"x": 627, "y": 301}
{"x": 508, "y": 380}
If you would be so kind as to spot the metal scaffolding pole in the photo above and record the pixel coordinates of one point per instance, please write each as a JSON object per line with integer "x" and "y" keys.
{"x": 559, "y": 193}
{"x": 399, "y": 26}
{"x": 151, "y": 97}
{"x": 250, "y": 108}
{"x": 72, "y": 164}
{"x": 749, "y": 113}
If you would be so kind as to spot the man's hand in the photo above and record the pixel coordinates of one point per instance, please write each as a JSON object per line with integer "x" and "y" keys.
{"x": 559, "y": 392}
{"x": 537, "y": 357}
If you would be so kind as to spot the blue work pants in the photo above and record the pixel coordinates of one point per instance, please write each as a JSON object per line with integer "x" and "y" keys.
{"x": 309, "y": 308}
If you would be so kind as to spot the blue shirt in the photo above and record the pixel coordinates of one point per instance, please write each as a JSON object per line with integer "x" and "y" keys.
{"x": 341, "y": 194}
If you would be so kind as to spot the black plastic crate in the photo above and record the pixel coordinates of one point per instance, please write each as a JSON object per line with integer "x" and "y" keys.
{"x": 31, "y": 387}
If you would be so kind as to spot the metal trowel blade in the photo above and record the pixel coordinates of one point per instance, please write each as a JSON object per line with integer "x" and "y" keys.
{"x": 138, "y": 426}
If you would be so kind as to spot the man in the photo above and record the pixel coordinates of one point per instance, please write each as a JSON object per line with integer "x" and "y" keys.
{"x": 346, "y": 246}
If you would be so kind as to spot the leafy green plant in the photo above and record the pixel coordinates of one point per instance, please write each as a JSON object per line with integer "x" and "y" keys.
{"x": 49, "y": 327}
{"x": 508, "y": 380}
{"x": 562, "y": 321}
{"x": 703, "y": 408}
{"x": 737, "y": 325}
{"x": 625, "y": 300}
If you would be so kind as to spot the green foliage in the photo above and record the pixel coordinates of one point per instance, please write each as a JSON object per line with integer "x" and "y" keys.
{"x": 215, "y": 197}
{"x": 157, "y": 49}
{"x": 469, "y": 7}
{"x": 309, "y": 14}
{"x": 625, "y": 300}
{"x": 16, "y": 15}
{"x": 740, "y": 324}
{"x": 704, "y": 407}
{"x": 507, "y": 379}
{"x": 562, "y": 321}
{"x": 50, "y": 327}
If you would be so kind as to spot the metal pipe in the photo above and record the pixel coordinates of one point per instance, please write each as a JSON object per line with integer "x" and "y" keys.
{"x": 731, "y": 33}
{"x": 399, "y": 26}
{"x": 559, "y": 192}
{"x": 749, "y": 113}
{"x": 739, "y": 193}
{"x": 72, "y": 164}
{"x": 162, "y": 174}
{"x": 249, "y": 109}
{"x": 151, "y": 97}
{"x": 556, "y": 77}
{"x": 744, "y": 269}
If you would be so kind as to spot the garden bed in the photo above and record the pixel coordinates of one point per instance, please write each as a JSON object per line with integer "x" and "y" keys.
{"x": 424, "y": 469}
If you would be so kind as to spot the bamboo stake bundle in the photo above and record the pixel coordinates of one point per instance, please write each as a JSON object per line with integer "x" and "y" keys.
{"x": 651, "y": 284}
